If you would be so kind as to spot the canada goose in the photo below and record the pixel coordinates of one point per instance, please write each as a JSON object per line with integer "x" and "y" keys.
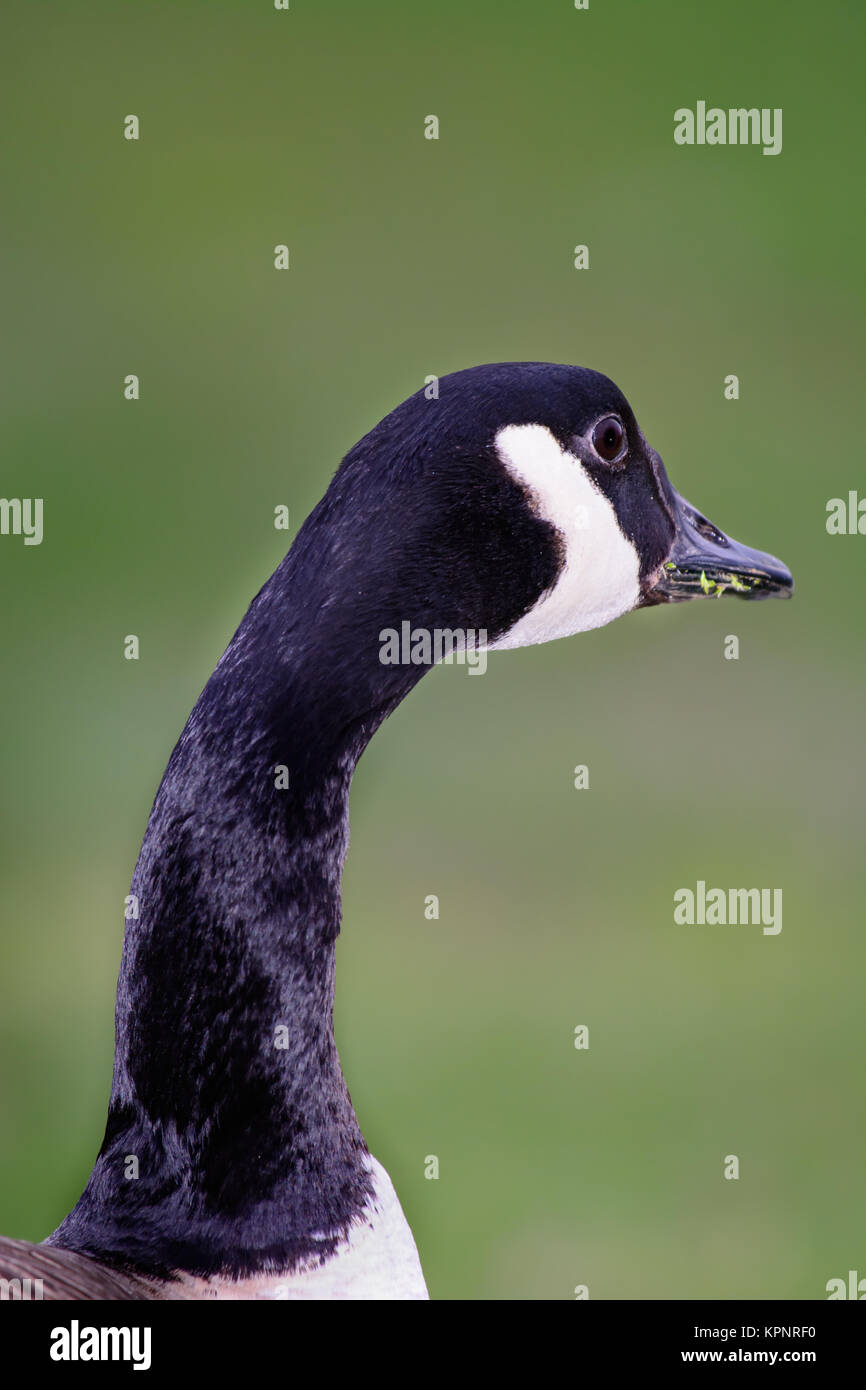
{"x": 521, "y": 505}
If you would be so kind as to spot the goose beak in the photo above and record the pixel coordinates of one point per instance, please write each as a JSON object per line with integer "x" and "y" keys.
{"x": 705, "y": 563}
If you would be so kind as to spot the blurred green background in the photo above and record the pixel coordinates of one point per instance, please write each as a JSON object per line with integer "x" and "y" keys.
{"x": 411, "y": 257}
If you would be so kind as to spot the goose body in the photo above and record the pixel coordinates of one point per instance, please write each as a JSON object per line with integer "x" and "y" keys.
{"x": 520, "y": 506}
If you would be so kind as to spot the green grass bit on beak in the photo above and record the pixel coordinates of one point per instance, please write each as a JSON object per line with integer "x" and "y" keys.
{"x": 712, "y": 586}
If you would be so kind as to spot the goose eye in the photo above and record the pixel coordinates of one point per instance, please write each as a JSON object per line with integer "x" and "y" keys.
{"x": 608, "y": 438}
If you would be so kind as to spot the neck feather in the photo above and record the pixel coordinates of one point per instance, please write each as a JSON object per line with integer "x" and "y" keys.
{"x": 231, "y": 1143}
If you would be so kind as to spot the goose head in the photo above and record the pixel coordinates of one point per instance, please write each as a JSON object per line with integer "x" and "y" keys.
{"x": 524, "y": 504}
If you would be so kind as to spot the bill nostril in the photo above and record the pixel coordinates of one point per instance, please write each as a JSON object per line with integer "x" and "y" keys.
{"x": 708, "y": 530}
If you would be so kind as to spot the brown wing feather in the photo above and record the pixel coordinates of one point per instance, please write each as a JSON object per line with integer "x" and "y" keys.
{"x": 65, "y": 1274}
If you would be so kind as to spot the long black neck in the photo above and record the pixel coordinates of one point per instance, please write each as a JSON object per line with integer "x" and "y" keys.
{"x": 231, "y": 1142}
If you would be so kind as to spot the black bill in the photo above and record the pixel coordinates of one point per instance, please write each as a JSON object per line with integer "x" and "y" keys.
{"x": 705, "y": 563}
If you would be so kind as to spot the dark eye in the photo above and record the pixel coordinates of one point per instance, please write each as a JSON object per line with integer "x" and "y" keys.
{"x": 608, "y": 439}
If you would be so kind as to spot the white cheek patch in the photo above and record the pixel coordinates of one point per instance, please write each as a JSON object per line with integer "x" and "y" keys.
{"x": 600, "y": 578}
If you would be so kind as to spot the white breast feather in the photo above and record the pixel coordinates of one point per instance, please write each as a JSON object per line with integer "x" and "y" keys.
{"x": 379, "y": 1260}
